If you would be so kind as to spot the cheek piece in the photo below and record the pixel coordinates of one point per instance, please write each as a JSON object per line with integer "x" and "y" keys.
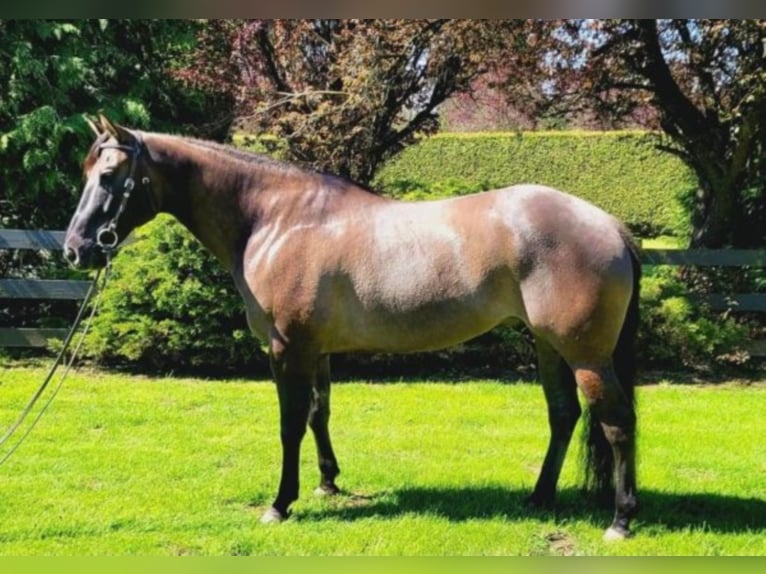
{"x": 107, "y": 237}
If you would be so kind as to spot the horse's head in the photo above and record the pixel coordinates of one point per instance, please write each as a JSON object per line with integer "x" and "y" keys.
{"x": 116, "y": 198}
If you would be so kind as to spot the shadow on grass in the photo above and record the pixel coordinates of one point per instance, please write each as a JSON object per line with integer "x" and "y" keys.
{"x": 673, "y": 511}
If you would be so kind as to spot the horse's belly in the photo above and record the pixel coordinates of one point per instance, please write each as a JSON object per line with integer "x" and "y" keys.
{"x": 423, "y": 333}
{"x": 411, "y": 324}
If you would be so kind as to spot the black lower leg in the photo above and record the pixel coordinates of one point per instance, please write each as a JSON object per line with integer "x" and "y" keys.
{"x": 294, "y": 401}
{"x": 615, "y": 411}
{"x": 622, "y": 439}
{"x": 560, "y": 391}
{"x": 319, "y": 417}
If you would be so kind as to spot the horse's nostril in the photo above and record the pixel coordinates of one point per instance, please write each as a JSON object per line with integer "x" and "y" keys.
{"x": 71, "y": 255}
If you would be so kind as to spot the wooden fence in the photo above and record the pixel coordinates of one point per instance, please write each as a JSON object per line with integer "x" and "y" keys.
{"x": 39, "y": 289}
{"x": 76, "y": 290}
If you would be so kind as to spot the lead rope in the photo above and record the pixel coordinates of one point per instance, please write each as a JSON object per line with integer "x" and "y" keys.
{"x": 94, "y": 287}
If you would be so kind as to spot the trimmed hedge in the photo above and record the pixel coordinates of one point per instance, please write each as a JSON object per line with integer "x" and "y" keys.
{"x": 622, "y": 172}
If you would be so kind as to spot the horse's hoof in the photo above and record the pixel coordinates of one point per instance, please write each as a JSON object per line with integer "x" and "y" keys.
{"x": 615, "y": 533}
{"x": 326, "y": 490}
{"x": 272, "y": 516}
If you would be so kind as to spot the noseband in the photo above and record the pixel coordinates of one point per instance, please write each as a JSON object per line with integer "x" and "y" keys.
{"x": 107, "y": 238}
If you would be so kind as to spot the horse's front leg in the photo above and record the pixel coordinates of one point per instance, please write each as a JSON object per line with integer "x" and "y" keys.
{"x": 294, "y": 378}
{"x": 319, "y": 417}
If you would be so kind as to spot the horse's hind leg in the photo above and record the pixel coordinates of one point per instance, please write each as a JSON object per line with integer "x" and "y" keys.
{"x": 563, "y": 411}
{"x": 319, "y": 417}
{"x": 614, "y": 410}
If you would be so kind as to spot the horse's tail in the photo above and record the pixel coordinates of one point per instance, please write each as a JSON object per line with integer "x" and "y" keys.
{"x": 599, "y": 460}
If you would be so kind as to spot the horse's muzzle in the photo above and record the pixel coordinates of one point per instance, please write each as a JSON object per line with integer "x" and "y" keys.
{"x": 84, "y": 255}
{"x": 72, "y": 257}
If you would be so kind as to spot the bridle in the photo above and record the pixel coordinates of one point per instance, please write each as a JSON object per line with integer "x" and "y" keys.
{"x": 107, "y": 237}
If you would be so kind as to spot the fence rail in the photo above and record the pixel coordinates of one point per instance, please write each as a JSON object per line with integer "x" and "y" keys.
{"x": 60, "y": 289}
{"x": 31, "y": 239}
{"x": 29, "y": 337}
{"x": 705, "y": 257}
{"x": 36, "y": 289}
{"x": 76, "y": 290}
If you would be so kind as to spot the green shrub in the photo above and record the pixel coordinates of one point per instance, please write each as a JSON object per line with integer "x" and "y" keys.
{"x": 170, "y": 305}
{"x": 622, "y": 172}
{"x": 675, "y": 330}
{"x": 53, "y": 71}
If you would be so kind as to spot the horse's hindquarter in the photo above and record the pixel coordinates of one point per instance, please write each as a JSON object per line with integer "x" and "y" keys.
{"x": 575, "y": 272}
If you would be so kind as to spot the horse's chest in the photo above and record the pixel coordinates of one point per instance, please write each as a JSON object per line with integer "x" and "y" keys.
{"x": 279, "y": 282}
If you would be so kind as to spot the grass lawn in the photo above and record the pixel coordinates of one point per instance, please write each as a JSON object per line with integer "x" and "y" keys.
{"x": 169, "y": 466}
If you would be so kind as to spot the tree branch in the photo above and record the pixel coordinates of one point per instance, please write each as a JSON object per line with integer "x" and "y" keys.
{"x": 698, "y": 62}
{"x": 629, "y": 86}
{"x": 291, "y": 97}
{"x": 269, "y": 58}
{"x": 691, "y": 122}
{"x": 744, "y": 141}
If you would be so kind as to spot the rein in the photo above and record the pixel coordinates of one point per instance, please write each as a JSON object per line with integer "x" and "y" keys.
{"x": 107, "y": 239}
{"x": 94, "y": 288}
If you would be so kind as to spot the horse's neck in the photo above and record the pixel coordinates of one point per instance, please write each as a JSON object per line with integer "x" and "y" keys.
{"x": 222, "y": 198}
{"x": 204, "y": 196}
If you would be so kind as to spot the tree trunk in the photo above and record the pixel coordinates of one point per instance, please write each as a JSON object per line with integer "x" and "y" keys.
{"x": 723, "y": 217}
{"x": 714, "y": 213}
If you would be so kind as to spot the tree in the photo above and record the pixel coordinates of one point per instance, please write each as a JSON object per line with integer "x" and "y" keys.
{"x": 484, "y": 106}
{"x": 51, "y": 72}
{"x": 705, "y": 81}
{"x": 345, "y": 95}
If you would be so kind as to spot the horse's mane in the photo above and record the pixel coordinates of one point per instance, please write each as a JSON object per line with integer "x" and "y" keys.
{"x": 242, "y": 155}
{"x": 267, "y": 162}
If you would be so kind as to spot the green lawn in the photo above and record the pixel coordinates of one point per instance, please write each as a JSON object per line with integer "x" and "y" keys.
{"x": 131, "y": 465}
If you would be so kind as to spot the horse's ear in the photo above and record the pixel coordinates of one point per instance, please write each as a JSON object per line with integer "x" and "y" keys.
{"x": 95, "y": 128}
{"x": 107, "y": 125}
{"x": 121, "y": 134}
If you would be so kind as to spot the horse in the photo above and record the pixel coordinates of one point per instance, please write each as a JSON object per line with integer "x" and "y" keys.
{"x": 327, "y": 266}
